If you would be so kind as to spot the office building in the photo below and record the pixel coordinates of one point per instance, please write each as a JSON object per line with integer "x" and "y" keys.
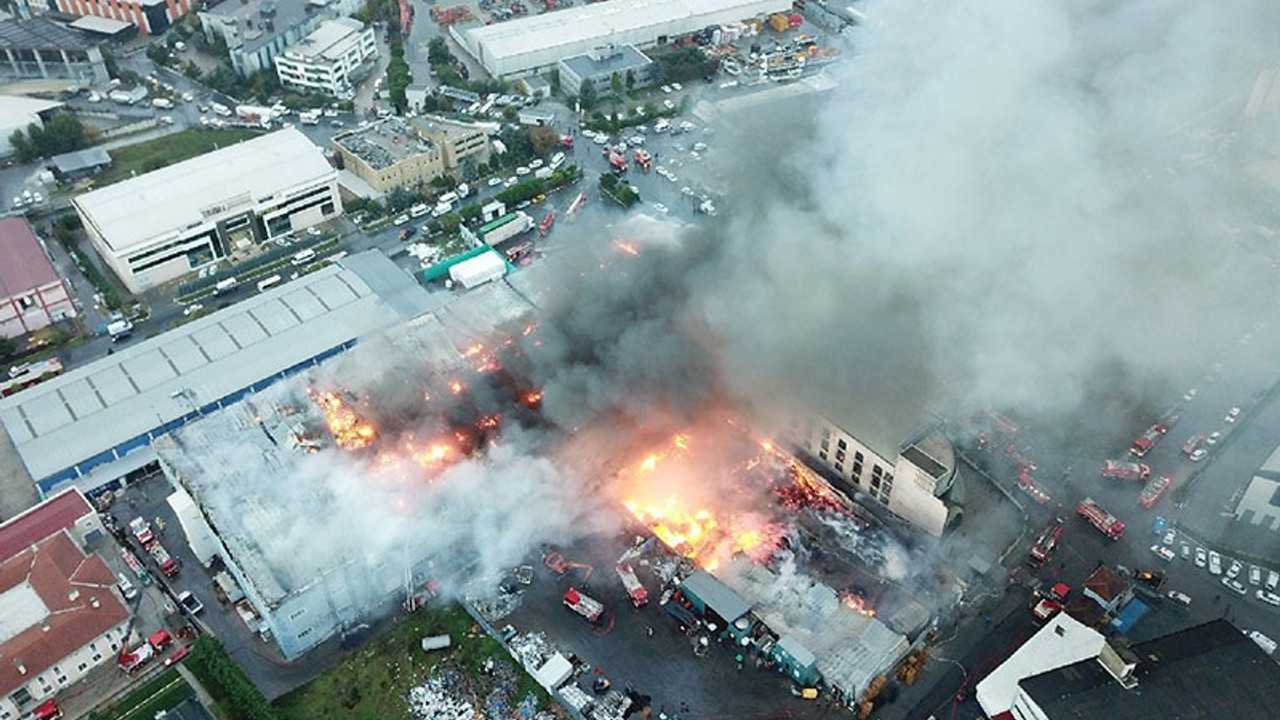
{"x": 331, "y": 59}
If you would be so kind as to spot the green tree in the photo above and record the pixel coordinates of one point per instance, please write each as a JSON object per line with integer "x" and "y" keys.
{"x": 438, "y": 52}
{"x": 631, "y": 79}
{"x": 542, "y": 138}
{"x": 615, "y": 84}
{"x": 9, "y": 347}
{"x": 586, "y": 97}
{"x": 21, "y": 148}
{"x": 401, "y": 199}
{"x": 192, "y": 70}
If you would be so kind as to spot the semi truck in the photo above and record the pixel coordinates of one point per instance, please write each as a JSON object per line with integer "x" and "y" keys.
{"x": 586, "y": 606}
{"x": 1125, "y": 470}
{"x": 1154, "y": 488}
{"x": 505, "y": 228}
{"x": 637, "y": 592}
{"x": 1107, "y": 523}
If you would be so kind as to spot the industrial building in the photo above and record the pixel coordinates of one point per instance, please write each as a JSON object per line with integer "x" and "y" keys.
{"x": 229, "y": 462}
{"x": 93, "y": 427}
{"x": 1207, "y": 671}
{"x": 1260, "y": 503}
{"x": 538, "y": 42}
{"x": 40, "y": 49}
{"x": 595, "y": 70}
{"x": 32, "y": 295}
{"x": 256, "y": 31}
{"x": 331, "y": 59}
{"x": 800, "y": 625}
{"x": 151, "y": 17}
{"x": 19, "y": 113}
{"x": 62, "y": 613}
{"x": 1062, "y": 641}
{"x": 158, "y": 227}
{"x": 393, "y": 153}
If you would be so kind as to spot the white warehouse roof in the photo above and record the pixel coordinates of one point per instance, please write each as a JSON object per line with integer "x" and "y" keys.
{"x": 112, "y": 405}
{"x": 538, "y": 41}
{"x": 1063, "y": 641}
{"x": 134, "y": 211}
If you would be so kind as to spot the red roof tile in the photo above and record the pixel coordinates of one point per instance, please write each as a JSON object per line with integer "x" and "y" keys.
{"x": 23, "y": 264}
{"x": 59, "y": 512}
{"x": 70, "y": 585}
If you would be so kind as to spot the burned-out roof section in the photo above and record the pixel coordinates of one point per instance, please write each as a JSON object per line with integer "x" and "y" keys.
{"x": 1208, "y": 671}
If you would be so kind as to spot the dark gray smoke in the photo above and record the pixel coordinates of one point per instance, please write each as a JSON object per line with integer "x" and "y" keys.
{"x": 1002, "y": 203}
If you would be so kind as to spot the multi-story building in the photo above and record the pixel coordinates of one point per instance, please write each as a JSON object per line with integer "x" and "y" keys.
{"x": 256, "y": 31}
{"x": 39, "y": 49}
{"x": 596, "y": 69}
{"x": 392, "y": 153}
{"x": 331, "y": 59}
{"x": 912, "y": 475}
{"x": 162, "y": 225}
{"x": 152, "y": 17}
{"x": 63, "y": 615}
{"x": 32, "y": 295}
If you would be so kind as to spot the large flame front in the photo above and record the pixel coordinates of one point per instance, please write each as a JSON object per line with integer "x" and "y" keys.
{"x": 349, "y": 431}
{"x": 705, "y": 535}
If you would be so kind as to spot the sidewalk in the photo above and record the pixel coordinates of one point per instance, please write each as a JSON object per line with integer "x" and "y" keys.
{"x": 201, "y": 694}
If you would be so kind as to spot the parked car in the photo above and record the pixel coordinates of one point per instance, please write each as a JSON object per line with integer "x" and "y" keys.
{"x": 1232, "y": 414}
{"x": 1235, "y": 585}
{"x": 1162, "y": 552}
{"x": 1269, "y": 598}
{"x": 1200, "y": 557}
{"x": 1235, "y": 569}
{"x": 1178, "y": 598}
{"x": 1215, "y": 563}
{"x": 190, "y": 602}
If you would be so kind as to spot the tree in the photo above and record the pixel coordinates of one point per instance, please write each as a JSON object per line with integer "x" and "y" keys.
{"x": 21, "y": 148}
{"x": 509, "y": 113}
{"x": 586, "y": 96}
{"x": 60, "y": 134}
{"x": 438, "y": 52}
{"x": 631, "y": 79}
{"x": 401, "y": 199}
{"x": 8, "y": 347}
{"x": 542, "y": 138}
{"x": 615, "y": 84}
{"x": 192, "y": 70}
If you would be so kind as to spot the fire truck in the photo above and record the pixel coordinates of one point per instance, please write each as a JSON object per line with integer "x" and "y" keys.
{"x": 1125, "y": 470}
{"x": 167, "y": 564}
{"x": 586, "y": 606}
{"x": 1046, "y": 543}
{"x": 643, "y": 159}
{"x": 1148, "y": 440}
{"x": 545, "y": 226}
{"x": 1051, "y": 603}
{"x": 1107, "y": 523}
{"x": 639, "y": 595}
{"x": 141, "y": 530}
{"x": 144, "y": 577}
{"x": 1154, "y": 489}
{"x": 617, "y": 161}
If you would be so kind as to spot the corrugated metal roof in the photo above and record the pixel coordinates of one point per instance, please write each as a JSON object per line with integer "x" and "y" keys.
{"x": 70, "y": 419}
{"x": 716, "y": 595}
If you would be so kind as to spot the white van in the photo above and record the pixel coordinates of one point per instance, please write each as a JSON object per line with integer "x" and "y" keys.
{"x": 303, "y": 257}
{"x": 419, "y": 210}
{"x": 448, "y": 198}
{"x": 267, "y": 284}
{"x": 442, "y": 209}
{"x": 225, "y": 286}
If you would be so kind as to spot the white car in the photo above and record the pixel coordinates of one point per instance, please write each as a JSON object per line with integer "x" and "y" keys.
{"x": 1186, "y": 551}
{"x": 1269, "y": 598}
{"x": 677, "y": 87}
{"x": 1190, "y": 395}
{"x": 1198, "y": 454}
{"x": 1213, "y": 438}
{"x": 660, "y": 208}
{"x": 668, "y": 105}
{"x": 1179, "y": 598}
{"x": 666, "y": 89}
{"x": 1255, "y": 575}
{"x": 1232, "y": 414}
{"x": 1235, "y": 569}
{"x": 522, "y": 171}
{"x": 600, "y": 139}
{"x": 400, "y": 219}
{"x": 1234, "y": 584}
{"x": 1215, "y": 563}
{"x": 1273, "y": 579}
{"x": 1169, "y": 536}
{"x": 1162, "y": 552}
{"x": 1200, "y": 557}
{"x": 510, "y": 181}
{"x": 190, "y": 602}
{"x": 495, "y": 182}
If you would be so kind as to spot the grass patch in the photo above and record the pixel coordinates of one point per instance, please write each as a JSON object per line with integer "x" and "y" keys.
{"x": 163, "y": 151}
{"x": 373, "y": 684}
{"x": 163, "y": 692}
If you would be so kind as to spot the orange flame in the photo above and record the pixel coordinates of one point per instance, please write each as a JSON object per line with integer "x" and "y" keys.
{"x": 628, "y": 248}
{"x": 857, "y": 603}
{"x": 348, "y": 430}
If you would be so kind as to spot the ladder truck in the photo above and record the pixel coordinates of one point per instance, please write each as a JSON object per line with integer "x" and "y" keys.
{"x": 1106, "y": 523}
